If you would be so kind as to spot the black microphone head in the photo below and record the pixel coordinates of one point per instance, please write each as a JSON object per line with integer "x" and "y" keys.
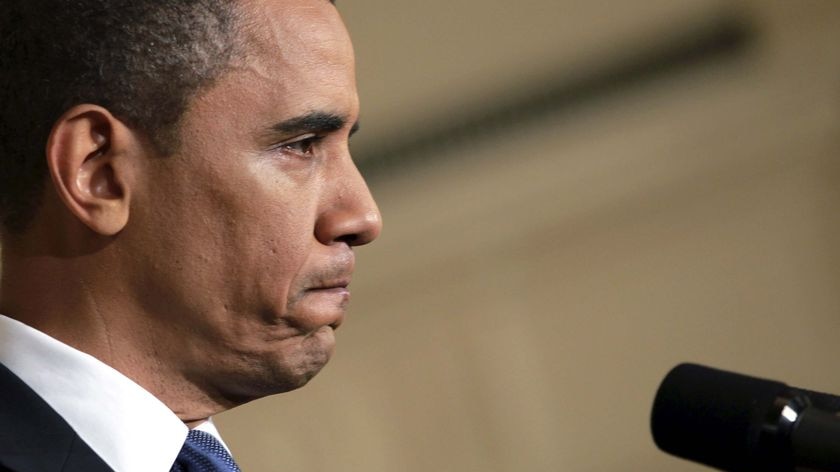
{"x": 716, "y": 417}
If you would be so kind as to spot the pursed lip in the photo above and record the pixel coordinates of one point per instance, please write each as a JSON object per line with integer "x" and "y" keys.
{"x": 338, "y": 284}
{"x": 325, "y": 294}
{"x": 331, "y": 298}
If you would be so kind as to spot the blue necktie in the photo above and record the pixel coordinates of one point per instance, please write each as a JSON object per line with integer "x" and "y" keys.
{"x": 203, "y": 453}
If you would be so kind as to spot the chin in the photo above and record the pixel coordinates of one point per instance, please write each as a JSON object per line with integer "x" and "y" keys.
{"x": 246, "y": 387}
{"x": 288, "y": 365}
{"x": 291, "y": 371}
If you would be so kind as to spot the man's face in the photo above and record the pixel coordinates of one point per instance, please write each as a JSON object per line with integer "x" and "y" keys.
{"x": 247, "y": 230}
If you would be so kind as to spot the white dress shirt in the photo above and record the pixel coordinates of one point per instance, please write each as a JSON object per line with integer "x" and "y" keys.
{"x": 125, "y": 425}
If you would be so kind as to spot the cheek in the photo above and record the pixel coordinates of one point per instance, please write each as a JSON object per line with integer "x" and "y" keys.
{"x": 281, "y": 205}
{"x": 233, "y": 231}
{"x": 270, "y": 239}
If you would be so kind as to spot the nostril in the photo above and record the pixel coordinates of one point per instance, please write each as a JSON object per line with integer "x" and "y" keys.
{"x": 349, "y": 239}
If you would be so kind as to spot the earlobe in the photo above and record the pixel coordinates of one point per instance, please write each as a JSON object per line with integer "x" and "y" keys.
{"x": 86, "y": 155}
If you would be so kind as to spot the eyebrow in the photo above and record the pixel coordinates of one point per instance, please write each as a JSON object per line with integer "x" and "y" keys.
{"x": 313, "y": 122}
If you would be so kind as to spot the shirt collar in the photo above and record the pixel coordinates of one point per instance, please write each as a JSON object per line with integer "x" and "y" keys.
{"x": 128, "y": 427}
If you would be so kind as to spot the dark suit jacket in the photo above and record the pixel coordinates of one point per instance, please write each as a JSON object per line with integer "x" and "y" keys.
{"x": 34, "y": 438}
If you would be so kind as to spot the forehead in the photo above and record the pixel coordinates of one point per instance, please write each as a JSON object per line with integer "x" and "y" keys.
{"x": 295, "y": 48}
{"x": 287, "y": 30}
{"x": 294, "y": 57}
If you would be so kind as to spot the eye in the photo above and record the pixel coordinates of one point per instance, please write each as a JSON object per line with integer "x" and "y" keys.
{"x": 303, "y": 146}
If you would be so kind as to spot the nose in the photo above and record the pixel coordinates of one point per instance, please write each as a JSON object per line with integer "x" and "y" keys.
{"x": 349, "y": 213}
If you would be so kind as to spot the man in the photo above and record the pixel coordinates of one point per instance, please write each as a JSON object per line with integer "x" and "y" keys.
{"x": 179, "y": 209}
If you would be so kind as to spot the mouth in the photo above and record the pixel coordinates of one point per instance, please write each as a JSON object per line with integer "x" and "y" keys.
{"x": 333, "y": 288}
{"x": 323, "y": 296}
{"x": 331, "y": 285}
{"x": 326, "y": 302}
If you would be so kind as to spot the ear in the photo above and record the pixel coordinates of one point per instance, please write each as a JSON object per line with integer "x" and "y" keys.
{"x": 89, "y": 155}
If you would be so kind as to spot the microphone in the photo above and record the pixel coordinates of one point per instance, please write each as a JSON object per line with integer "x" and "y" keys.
{"x": 739, "y": 423}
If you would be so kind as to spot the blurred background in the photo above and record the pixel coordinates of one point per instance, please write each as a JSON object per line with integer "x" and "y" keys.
{"x": 577, "y": 196}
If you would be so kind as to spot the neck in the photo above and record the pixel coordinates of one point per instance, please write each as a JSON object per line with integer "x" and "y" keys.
{"x": 51, "y": 290}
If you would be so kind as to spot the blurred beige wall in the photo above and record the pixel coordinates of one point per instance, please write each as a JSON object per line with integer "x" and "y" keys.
{"x": 532, "y": 287}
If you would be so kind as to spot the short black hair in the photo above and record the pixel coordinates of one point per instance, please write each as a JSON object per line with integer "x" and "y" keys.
{"x": 143, "y": 60}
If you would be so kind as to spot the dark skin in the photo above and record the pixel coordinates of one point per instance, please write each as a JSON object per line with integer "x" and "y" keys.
{"x": 218, "y": 274}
